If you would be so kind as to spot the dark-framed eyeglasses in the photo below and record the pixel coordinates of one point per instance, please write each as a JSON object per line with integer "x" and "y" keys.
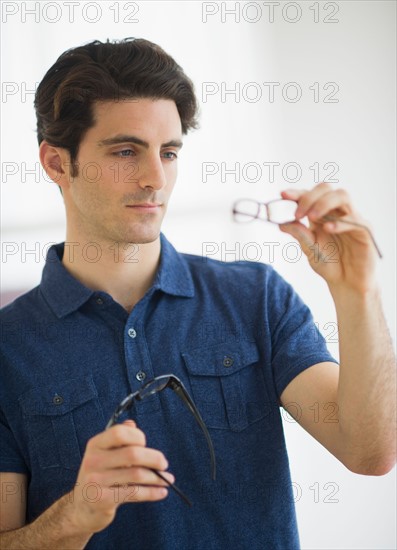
{"x": 281, "y": 211}
{"x": 156, "y": 385}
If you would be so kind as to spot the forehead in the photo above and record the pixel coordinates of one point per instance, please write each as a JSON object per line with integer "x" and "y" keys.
{"x": 148, "y": 118}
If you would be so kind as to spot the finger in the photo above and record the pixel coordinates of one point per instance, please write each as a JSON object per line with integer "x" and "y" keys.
{"x": 138, "y": 476}
{"x": 307, "y": 241}
{"x": 307, "y": 199}
{"x": 293, "y": 194}
{"x": 117, "y": 436}
{"x": 360, "y": 232}
{"x": 297, "y": 230}
{"x": 339, "y": 227}
{"x": 127, "y": 456}
{"x": 343, "y": 225}
{"x": 301, "y": 233}
{"x": 130, "y": 423}
{"x": 336, "y": 202}
{"x": 138, "y": 493}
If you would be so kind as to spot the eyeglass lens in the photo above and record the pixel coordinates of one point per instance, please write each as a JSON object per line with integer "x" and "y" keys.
{"x": 153, "y": 387}
{"x": 246, "y": 210}
{"x": 281, "y": 211}
{"x": 277, "y": 211}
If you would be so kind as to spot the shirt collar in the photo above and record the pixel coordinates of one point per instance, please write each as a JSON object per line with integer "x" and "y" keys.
{"x": 65, "y": 294}
{"x": 174, "y": 276}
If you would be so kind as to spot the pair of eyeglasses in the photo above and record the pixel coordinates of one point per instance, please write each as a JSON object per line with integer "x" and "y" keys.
{"x": 156, "y": 385}
{"x": 281, "y": 211}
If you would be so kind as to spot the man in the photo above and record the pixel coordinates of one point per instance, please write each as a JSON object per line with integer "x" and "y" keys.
{"x": 118, "y": 306}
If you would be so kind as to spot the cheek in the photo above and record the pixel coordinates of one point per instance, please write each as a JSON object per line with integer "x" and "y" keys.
{"x": 171, "y": 172}
{"x": 90, "y": 189}
{"x": 117, "y": 174}
{"x": 92, "y": 173}
{"x": 170, "y": 185}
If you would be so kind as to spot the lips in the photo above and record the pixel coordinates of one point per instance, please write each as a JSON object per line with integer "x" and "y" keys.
{"x": 144, "y": 205}
{"x": 148, "y": 208}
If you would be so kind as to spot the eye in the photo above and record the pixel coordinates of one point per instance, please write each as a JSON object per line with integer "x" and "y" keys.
{"x": 173, "y": 156}
{"x": 124, "y": 153}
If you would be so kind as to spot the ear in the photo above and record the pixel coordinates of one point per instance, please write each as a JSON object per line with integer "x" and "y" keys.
{"x": 56, "y": 163}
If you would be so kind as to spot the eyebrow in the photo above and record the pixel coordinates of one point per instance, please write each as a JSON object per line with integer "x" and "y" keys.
{"x": 133, "y": 139}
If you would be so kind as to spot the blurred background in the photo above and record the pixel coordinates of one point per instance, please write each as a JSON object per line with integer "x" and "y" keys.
{"x": 291, "y": 93}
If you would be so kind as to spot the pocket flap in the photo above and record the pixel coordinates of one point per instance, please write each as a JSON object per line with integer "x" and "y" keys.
{"x": 221, "y": 360}
{"x": 59, "y": 398}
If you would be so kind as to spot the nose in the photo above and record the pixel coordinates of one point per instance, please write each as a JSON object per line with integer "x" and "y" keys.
{"x": 151, "y": 173}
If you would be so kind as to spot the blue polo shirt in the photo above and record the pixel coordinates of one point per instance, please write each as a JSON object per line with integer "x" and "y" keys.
{"x": 235, "y": 333}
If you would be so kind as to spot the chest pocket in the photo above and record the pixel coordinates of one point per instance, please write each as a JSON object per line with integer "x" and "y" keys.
{"x": 60, "y": 419}
{"x": 228, "y": 384}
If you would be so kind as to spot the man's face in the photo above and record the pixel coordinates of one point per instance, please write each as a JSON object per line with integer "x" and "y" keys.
{"x": 127, "y": 169}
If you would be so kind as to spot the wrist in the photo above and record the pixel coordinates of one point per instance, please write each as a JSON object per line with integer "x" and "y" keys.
{"x": 353, "y": 297}
{"x": 72, "y": 517}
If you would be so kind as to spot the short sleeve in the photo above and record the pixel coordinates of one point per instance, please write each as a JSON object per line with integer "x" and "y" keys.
{"x": 297, "y": 343}
{"x": 11, "y": 459}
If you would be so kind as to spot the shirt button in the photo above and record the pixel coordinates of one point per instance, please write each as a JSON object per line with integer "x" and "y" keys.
{"x": 99, "y": 301}
{"x": 140, "y": 376}
{"x": 131, "y": 333}
{"x": 58, "y": 400}
{"x": 227, "y": 361}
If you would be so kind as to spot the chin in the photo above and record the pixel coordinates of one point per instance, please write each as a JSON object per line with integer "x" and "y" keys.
{"x": 142, "y": 232}
{"x": 142, "y": 237}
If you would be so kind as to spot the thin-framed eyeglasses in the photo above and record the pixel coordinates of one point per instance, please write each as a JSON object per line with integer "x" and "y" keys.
{"x": 156, "y": 385}
{"x": 282, "y": 211}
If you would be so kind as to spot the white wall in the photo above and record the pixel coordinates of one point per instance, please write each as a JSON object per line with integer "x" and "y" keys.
{"x": 355, "y": 52}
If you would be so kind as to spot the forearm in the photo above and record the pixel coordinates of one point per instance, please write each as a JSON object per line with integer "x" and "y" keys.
{"x": 54, "y": 529}
{"x": 367, "y": 383}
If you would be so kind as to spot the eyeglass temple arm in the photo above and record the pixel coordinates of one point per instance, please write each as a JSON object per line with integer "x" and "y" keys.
{"x": 121, "y": 408}
{"x": 114, "y": 419}
{"x": 111, "y": 422}
{"x": 185, "y": 397}
{"x": 330, "y": 218}
{"x": 174, "y": 487}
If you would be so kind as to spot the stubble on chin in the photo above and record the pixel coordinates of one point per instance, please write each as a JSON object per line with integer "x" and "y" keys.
{"x": 139, "y": 236}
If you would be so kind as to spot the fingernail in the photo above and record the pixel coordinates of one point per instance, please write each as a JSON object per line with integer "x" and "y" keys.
{"x": 130, "y": 423}
{"x": 313, "y": 214}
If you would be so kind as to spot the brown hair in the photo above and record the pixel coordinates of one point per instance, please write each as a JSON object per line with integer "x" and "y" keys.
{"x": 100, "y": 71}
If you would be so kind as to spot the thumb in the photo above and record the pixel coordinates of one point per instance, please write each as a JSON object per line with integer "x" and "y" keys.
{"x": 302, "y": 234}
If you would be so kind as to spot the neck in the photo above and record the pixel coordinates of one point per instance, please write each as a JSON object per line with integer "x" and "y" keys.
{"x": 124, "y": 270}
